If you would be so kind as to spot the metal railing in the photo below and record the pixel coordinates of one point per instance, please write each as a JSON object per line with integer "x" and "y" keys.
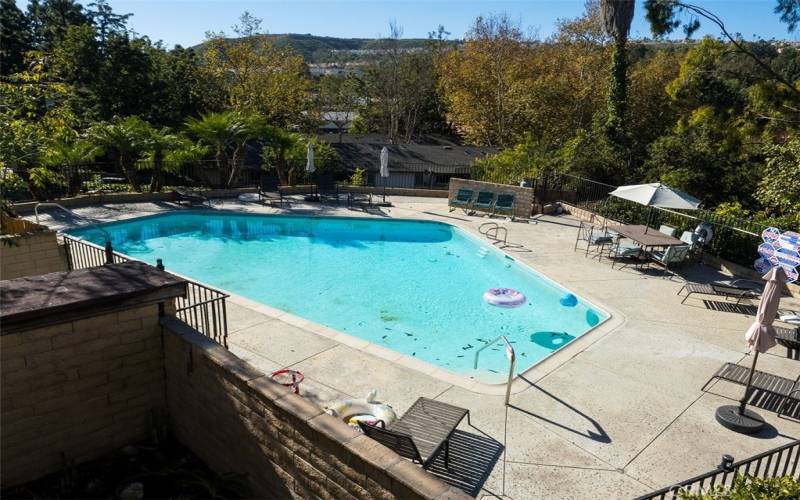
{"x": 512, "y": 360}
{"x": 778, "y": 462}
{"x": 203, "y": 308}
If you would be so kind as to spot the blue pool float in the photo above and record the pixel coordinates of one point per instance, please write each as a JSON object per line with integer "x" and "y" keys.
{"x": 592, "y": 318}
{"x": 568, "y": 300}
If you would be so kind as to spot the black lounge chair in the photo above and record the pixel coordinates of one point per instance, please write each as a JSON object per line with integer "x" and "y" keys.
{"x": 422, "y": 432}
{"x": 786, "y": 390}
{"x": 270, "y": 190}
{"x": 463, "y": 200}
{"x": 484, "y": 202}
{"x": 726, "y": 290}
{"x": 359, "y": 198}
{"x": 183, "y": 195}
{"x": 790, "y": 339}
{"x": 504, "y": 205}
{"x": 326, "y": 188}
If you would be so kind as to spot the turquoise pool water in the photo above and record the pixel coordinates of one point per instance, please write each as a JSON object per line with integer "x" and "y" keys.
{"x": 412, "y": 286}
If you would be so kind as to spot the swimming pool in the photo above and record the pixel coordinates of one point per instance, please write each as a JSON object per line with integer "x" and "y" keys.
{"x": 415, "y": 287}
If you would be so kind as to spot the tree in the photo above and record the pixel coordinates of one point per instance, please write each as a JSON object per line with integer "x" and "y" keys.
{"x": 123, "y": 139}
{"x": 277, "y": 145}
{"x": 15, "y": 38}
{"x": 617, "y": 16}
{"x": 338, "y": 100}
{"x": 50, "y": 20}
{"x": 165, "y": 151}
{"x": 779, "y": 190}
{"x": 257, "y": 76}
{"x": 66, "y": 156}
{"x": 105, "y": 20}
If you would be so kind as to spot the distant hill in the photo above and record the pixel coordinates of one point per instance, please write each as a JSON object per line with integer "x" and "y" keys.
{"x": 321, "y": 49}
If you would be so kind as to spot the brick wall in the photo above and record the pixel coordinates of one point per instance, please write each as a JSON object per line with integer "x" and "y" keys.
{"x": 77, "y": 390}
{"x": 238, "y": 420}
{"x": 523, "y": 197}
{"x": 31, "y": 254}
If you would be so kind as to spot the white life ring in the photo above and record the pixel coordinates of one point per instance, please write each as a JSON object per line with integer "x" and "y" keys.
{"x": 704, "y": 232}
{"x": 352, "y": 411}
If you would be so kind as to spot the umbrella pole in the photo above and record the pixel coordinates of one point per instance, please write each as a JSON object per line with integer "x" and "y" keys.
{"x": 649, "y": 216}
{"x": 384, "y": 189}
{"x": 746, "y": 396}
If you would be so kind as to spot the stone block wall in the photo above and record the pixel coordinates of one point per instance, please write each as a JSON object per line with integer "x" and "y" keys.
{"x": 31, "y": 254}
{"x": 238, "y": 420}
{"x": 77, "y": 390}
{"x": 523, "y": 196}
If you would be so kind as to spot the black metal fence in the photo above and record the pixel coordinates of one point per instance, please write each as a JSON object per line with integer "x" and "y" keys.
{"x": 203, "y": 308}
{"x": 778, "y": 462}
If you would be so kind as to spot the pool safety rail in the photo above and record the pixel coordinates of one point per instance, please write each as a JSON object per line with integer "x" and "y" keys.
{"x": 778, "y": 462}
{"x": 512, "y": 359}
{"x": 203, "y": 308}
{"x": 493, "y": 231}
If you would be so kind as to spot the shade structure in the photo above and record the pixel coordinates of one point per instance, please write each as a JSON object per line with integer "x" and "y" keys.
{"x": 310, "y": 158}
{"x": 657, "y": 195}
{"x": 384, "y": 163}
{"x": 760, "y": 336}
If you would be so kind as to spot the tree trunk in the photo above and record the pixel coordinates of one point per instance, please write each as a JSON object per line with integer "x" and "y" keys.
{"x": 128, "y": 168}
{"x": 618, "y": 95}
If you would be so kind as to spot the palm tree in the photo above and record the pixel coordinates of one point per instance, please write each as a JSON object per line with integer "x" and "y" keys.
{"x": 220, "y": 131}
{"x": 166, "y": 152}
{"x": 123, "y": 138}
{"x": 278, "y": 144}
{"x": 68, "y": 157}
{"x": 617, "y": 16}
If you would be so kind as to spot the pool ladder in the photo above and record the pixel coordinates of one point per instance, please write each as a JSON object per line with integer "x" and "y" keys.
{"x": 493, "y": 230}
{"x": 512, "y": 358}
{"x": 89, "y": 222}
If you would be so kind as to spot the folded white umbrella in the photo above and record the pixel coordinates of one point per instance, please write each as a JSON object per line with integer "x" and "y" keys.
{"x": 384, "y": 163}
{"x": 310, "y": 158}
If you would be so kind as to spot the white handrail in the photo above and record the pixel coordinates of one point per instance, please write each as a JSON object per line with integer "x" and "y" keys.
{"x": 70, "y": 212}
{"x": 512, "y": 358}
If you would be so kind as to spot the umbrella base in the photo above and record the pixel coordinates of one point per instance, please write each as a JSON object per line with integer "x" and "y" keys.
{"x": 749, "y": 423}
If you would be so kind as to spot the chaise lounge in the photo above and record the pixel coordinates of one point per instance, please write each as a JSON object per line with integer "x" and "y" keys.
{"x": 183, "y": 195}
{"x": 484, "y": 202}
{"x": 726, "y": 290}
{"x": 422, "y": 432}
{"x": 786, "y": 390}
{"x": 504, "y": 205}
{"x": 463, "y": 200}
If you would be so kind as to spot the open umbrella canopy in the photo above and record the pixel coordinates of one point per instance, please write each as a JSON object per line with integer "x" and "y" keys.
{"x": 657, "y": 195}
{"x": 310, "y": 158}
{"x": 761, "y": 334}
{"x": 384, "y": 162}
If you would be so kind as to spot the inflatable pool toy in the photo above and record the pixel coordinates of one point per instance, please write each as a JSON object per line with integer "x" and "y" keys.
{"x": 367, "y": 410}
{"x": 568, "y": 300}
{"x": 504, "y": 297}
{"x": 552, "y": 340}
{"x": 592, "y": 319}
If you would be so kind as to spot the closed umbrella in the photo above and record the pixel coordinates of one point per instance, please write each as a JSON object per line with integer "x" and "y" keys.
{"x": 384, "y": 169}
{"x": 656, "y": 195}
{"x": 760, "y": 336}
{"x": 310, "y": 168}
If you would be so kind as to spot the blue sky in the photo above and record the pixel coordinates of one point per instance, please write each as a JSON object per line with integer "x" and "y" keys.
{"x": 186, "y": 21}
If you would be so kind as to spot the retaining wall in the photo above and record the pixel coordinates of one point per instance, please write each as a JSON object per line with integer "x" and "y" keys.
{"x": 523, "y": 196}
{"x": 31, "y": 254}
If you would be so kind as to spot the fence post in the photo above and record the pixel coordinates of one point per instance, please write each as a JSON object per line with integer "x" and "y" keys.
{"x": 109, "y": 253}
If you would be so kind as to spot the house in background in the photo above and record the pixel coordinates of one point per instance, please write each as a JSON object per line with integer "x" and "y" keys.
{"x": 429, "y": 161}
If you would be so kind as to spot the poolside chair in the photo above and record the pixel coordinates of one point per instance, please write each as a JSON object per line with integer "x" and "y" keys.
{"x": 593, "y": 236}
{"x": 327, "y": 189}
{"x": 787, "y": 391}
{"x": 727, "y": 290}
{"x": 790, "y": 339}
{"x": 463, "y": 200}
{"x": 421, "y": 433}
{"x": 484, "y": 202}
{"x": 269, "y": 190}
{"x": 183, "y": 195}
{"x": 618, "y": 251}
{"x": 668, "y": 230}
{"x": 670, "y": 257}
{"x": 359, "y": 198}
{"x": 504, "y": 205}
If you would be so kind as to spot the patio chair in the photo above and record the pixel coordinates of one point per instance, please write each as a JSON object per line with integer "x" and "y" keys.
{"x": 593, "y": 237}
{"x": 421, "y": 433}
{"x": 668, "y": 230}
{"x": 790, "y": 339}
{"x": 463, "y": 200}
{"x": 183, "y": 195}
{"x": 786, "y": 390}
{"x": 671, "y": 256}
{"x": 484, "y": 202}
{"x": 618, "y": 251}
{"x": 326, "y": 188}
{"x": 270, "y": 190}
{"x": 504, "y": 205}
{"x": 359, "y": 198}
{"x": 719, "y": 289}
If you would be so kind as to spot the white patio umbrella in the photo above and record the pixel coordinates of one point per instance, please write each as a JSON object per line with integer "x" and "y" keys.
{"x": 760, "y": 336}
{"x": 656, "y": 195}
{"x": 384, "y": 169}
{"x": 310, "y": 158}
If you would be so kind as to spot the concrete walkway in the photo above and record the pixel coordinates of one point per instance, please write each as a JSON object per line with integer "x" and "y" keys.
{"x": 621, "y": 417}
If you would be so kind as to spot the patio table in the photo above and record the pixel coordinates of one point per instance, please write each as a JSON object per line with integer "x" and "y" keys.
{"x": 646, "y": 237}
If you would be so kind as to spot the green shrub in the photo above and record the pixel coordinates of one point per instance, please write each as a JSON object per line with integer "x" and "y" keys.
{"x": 46, "y": 184}
{"x": 12, "y": 187}
{"x": 359, "y": 177}
{"x": 752, "y": 488}
{"x": 97, "y": 185}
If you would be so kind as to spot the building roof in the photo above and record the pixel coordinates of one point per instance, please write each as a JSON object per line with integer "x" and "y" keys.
{"x": 425, "y": 153}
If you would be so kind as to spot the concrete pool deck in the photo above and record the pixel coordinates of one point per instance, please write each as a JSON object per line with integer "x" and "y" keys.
{"x": 621, "y": 415}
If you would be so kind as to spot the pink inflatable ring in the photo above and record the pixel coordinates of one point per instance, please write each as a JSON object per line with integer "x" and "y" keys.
{"x": 504, "y": 297}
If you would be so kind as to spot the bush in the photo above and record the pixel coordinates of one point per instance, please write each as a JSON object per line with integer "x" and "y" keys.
{"x": 358, "y": 178}
{"x": 97, "y": 185}
{"x": 46, "y": 184}
{"x": 12, "y": 187}
{"x": 752, "y": 488}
